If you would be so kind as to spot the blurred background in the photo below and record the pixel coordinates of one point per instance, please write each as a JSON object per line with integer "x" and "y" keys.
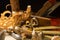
{"x": 35, "y": 4}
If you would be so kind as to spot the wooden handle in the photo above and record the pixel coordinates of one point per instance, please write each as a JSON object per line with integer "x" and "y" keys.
{"x": 15, "y": 5}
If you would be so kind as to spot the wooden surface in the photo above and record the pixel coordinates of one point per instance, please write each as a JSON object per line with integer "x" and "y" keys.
{"x": 44, "y": 8}
{"x": 15, "y": 5}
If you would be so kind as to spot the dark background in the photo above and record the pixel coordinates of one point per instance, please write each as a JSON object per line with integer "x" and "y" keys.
{"x": 35, "y": 4}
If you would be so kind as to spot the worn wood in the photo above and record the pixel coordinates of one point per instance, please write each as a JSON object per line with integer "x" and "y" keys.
{"x": 44, "y": 8}
{"x": 15, "y": 5}
{"x": 43, "y": 21}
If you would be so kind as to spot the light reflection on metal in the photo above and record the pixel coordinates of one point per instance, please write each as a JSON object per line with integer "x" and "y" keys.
{"x": 55, "y": 38}
{"x": 15, "y": 19}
